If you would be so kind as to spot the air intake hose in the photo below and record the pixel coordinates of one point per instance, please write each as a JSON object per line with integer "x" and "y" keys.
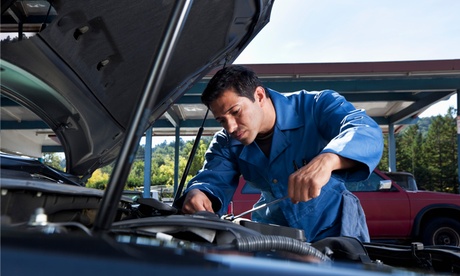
{"x": 270, "y": 242}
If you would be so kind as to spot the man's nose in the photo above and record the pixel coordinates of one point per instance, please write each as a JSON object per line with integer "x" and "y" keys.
{"x": 232, "y": 126}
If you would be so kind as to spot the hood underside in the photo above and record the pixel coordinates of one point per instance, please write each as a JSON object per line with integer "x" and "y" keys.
{"x": 85, "y": 73}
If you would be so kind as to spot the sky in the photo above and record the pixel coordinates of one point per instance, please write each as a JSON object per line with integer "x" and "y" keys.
{"x": 357, "y": 30}
{"x": 307, "y": 31}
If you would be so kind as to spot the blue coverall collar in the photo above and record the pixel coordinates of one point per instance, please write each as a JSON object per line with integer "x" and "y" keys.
{"x": 285, "y": 120}
{"x": 288, "y": 117}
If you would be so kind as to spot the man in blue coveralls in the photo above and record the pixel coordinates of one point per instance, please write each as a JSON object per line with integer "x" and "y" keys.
{"x": 303, "y": 145}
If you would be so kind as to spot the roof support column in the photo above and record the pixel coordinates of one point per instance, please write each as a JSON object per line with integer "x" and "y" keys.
{"x": 458, "y": 141}
{"x": 176, "y": 159}
{"x": 147, "y": 162}
{"x": 391, "y": 148}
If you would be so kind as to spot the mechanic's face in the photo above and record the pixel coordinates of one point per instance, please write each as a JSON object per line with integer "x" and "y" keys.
{"x": 241, "y": 117}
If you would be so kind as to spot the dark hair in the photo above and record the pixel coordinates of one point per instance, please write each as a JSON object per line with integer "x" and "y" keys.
{"x": 241, "y": 80}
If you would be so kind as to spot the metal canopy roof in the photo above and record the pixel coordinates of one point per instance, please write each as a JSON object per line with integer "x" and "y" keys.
{"x": 391, "y": 92}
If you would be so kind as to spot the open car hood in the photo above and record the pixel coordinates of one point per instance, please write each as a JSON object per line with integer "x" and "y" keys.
{"x": 85, "y": 73}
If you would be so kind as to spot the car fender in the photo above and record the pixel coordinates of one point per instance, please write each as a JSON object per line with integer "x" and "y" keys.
{"x": 434, "y": 210}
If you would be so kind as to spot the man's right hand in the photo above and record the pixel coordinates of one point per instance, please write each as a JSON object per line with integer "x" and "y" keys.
{"x": 196, "y": 201}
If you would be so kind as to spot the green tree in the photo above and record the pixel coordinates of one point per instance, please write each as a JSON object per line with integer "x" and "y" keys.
{"x": 53, "y": 160}
{"x": 98, "y": 180}
{"x": 136, "y": 175}
{"x": 163, "y": 161}
{"x": 198, "y": 159}
{"x": 440, "y": 150}
{"x": 163, "y": 172}
{"x": 428, "y": 150}
{"x": 107, "y": 169}
{"x": 408, "y": 145}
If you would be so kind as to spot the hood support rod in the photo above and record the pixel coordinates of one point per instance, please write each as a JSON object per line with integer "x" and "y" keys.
{"x": 108, "y": 208}
{"x": 190, "y": 160}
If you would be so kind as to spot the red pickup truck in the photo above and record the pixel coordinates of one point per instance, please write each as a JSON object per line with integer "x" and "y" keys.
{"x": 393, "y": 213}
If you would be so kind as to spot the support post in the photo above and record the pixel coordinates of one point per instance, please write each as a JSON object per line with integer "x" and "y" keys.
{"x": 458, "y": 142}
{"x": 176, "y": 159}
{"x": 391, "y": 148}
{"x": 147, "y": 162}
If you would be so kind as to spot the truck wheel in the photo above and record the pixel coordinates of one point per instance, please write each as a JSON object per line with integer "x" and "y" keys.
{"x": 442, "y": 231}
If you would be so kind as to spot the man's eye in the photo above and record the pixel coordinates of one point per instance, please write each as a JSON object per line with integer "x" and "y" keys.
{"x": 235, "y": 112}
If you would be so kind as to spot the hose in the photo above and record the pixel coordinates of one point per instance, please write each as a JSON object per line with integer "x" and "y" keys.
{"x": 270, "y": 242}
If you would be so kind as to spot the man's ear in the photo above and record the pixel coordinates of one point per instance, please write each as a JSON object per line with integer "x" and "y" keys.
{"x": 259, "y": 94}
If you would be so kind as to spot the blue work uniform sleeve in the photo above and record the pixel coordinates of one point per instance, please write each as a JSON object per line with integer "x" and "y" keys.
{"x": 219, "y": 176}
{"x": 352, "y": 133}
